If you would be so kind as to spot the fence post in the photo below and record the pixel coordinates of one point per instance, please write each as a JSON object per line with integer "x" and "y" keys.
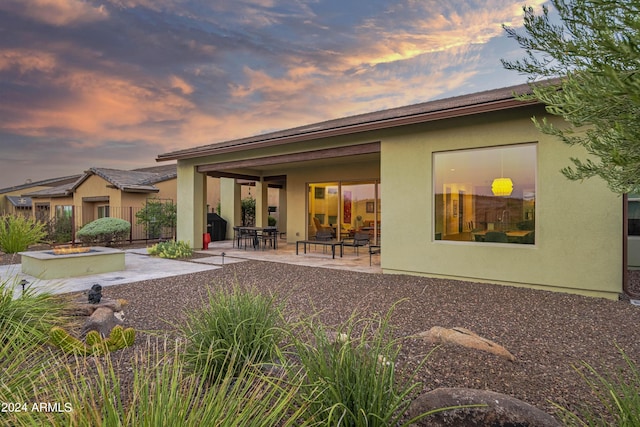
{"x": 131, "y": 222}
{"x": 73, "y": 226}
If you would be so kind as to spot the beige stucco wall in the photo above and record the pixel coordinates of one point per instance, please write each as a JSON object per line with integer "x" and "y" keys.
{"x": 95, "y": 186}
{"x": 578, "y": 224}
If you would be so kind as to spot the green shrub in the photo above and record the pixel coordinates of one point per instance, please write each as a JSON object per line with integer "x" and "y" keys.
{"x": 234, "y": 322}
{"x": 618, "y": 393}
{"x": 18, "y": 232}
{"x": 104, "y": 231}
{"x": 271, "y": 221}
{"x": 171, "y": 249}
{"x": 350, "y": 377}
{"x": 62, "y": 229}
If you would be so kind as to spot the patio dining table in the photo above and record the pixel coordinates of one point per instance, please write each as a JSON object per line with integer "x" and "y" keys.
{"x": 256, "y": 234}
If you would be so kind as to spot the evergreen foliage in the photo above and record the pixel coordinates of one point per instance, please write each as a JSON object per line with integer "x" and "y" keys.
{"x": 17, "y": 233}
{"x": 104, "y": 230}
{"x": 586, "y": 69}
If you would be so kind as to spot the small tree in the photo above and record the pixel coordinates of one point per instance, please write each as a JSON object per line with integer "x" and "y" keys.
{"x": 595, "y": 51}
{"x": 248, "y": 211}
{"x": 156, "y": 215}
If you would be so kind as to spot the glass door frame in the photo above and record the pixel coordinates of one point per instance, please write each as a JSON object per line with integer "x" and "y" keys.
{"x": 355, "y": 212}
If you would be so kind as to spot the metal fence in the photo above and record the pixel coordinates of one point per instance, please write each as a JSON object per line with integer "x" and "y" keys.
{"x": 62, "y": 228}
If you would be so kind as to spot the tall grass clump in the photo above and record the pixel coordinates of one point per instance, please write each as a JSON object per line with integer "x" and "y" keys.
{"x": 27, "y": 318}
{"x": 237, "y": 322}
{"x": 17, "y": 233}
{"x": 25, "y": 358}
{"x": 350, "y": 375}
{"x": 618, "y": 393}
{"x": 164, "y": 392}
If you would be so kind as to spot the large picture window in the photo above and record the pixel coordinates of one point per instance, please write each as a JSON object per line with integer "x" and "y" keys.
{"x": 486, "y": 195}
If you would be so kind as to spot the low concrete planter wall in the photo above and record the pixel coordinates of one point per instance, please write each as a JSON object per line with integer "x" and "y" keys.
{"x": 46, "y": 265}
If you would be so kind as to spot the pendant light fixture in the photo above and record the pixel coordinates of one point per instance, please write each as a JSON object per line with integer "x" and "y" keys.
{"x": 502, "y": 186}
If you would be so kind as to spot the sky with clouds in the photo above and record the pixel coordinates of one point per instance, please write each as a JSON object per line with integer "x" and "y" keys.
{"x": 114, "y": 83}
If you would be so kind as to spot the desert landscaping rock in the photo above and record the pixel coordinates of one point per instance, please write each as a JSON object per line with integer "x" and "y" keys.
{"x": 495, "y": 410}
{"x": 465, "y": 338}
{"x": 549, "y": 333}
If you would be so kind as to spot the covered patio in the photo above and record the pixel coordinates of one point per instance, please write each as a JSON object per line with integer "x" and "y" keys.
{"x": 420, "y": 180}
{"x": 286, "y": 254}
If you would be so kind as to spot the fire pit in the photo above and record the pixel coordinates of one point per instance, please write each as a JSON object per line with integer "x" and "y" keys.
{"x": 91, "y": 260}
{"x": 66, "y": 250}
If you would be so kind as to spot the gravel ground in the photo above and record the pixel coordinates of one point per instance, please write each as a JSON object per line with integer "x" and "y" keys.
{"x": 549, "y": 333}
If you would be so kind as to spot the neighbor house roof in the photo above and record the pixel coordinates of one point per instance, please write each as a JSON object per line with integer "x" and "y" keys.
{"x": 136, "y": 180}
{"x": 481, "y": 102}
{"x": 59, "y": 191}
{"x": 133, "y": 181}
{"x": 52, "y": 182}
{"x": 19, "y": 201}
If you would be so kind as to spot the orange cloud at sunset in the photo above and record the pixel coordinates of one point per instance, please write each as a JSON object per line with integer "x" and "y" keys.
{"x": 118, "y": 82}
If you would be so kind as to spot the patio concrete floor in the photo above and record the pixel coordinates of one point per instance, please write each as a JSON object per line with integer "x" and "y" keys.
{"x": 316, "y": 256}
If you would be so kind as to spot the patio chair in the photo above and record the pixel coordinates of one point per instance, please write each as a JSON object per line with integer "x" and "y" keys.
{"x": 249, "y": 237}
{"x": 268, "y": 237}
{"x": 359, "y": 239}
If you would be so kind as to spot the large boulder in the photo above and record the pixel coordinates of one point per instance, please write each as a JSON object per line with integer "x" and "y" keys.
{"x": 100, "y": 316}
{"x": 496, "y": 410}
{"x": 465, "y": 338}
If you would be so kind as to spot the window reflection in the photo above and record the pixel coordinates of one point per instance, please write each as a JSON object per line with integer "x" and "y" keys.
{"x": 486, "y": 195}
{"x": 343, "y": 209}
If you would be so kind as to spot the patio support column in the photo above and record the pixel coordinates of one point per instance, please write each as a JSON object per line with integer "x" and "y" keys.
{"x": 262, "y": 203}
{"x": 230, "y": 203}
{"x": 192, "y": 206}
{"x": 282, "y": 210}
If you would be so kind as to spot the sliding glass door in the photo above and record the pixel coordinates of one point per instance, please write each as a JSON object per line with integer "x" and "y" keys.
{"x": 344, "y": 208}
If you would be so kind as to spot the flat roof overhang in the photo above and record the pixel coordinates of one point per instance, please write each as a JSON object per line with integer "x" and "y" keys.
{"x": 231, "y": 169}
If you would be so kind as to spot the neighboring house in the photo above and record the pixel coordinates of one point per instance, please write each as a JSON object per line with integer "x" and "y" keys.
{"x": 101, "y": 192}
{"x": 13, "y": 201}
{"x": 463, "y": 188}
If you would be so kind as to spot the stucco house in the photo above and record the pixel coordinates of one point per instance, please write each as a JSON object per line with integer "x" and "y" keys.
{"x": 464, "y": 188}
{"x": 104, "y": 192}
{"x": 13, "y": 200}
{"x": 101, "y": 192}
